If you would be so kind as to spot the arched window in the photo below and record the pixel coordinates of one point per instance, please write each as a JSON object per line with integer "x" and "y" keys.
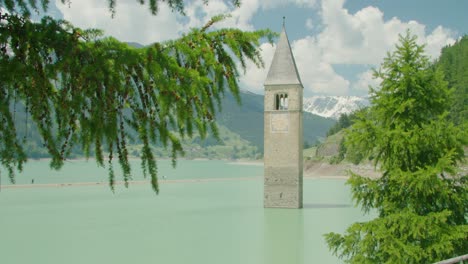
{"x": 281, "y": 101}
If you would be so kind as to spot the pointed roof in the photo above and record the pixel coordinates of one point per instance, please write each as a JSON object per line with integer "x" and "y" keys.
{"x": 283, "y": 68}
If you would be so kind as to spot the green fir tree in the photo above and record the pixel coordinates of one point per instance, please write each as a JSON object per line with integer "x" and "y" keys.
{"x": 420, "y": 198}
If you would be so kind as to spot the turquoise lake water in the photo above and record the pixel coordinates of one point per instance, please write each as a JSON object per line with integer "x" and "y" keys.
{"x": 221, "y": 220}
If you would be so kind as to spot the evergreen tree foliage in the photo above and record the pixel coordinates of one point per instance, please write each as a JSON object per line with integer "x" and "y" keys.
{"x": 454, "y": 62}
{"x": 82, "y": 89}
{"x": 344, "y": 121}
{"x": 420, "y": 198}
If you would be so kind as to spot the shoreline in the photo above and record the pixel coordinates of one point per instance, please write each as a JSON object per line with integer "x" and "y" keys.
{"x": 236, "y": 161}
{"x": 147, "y": 182}
{"x": 117, "y": 183}
{"x": 160, "y": 181}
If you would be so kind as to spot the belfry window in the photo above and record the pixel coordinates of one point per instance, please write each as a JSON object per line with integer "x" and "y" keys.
{"x": 281, "y": 101}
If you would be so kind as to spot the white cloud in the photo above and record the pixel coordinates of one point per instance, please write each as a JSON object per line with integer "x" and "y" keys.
{"x": 254, "y": 77}
{"x": 365, "y": 38}
{"x": 198, "y": 14}
{"x": 366, "y": 79}
{"x": 362, "y": 38}
{"x": 281, "y": 3}
{"x": 439, "y": 38}
{"x": 132, "y": 22}
{"x": 309, "y": 24}
{"x": 317, "y": 76}
{"x": 242, "y": 17}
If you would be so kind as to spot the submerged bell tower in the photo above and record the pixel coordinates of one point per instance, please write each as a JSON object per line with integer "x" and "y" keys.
{"x": 283, "y": 133}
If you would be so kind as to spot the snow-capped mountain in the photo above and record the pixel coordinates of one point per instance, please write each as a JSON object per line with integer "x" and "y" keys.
{"x": 333, "y": 106}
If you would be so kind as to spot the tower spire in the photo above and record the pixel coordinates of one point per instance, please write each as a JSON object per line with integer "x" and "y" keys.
{"x": 283, "y": 68}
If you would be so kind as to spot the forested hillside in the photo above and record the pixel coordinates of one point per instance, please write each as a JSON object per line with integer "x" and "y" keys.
{"x": 454, "y": 63}
{"x": 241, "y": 132}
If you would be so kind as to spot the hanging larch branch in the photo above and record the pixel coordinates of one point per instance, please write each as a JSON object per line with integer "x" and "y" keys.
{"x": 92, "y": 92}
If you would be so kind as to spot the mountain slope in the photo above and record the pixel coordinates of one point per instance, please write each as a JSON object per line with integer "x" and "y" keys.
{"x": 241, "y": 131}
{"x": 454, "y": 63}
{"x": 333, "y": 106}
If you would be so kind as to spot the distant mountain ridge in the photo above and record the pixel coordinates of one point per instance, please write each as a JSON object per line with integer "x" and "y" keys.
{"x": 333, "y": 106}
{"x": 241, "y": 132}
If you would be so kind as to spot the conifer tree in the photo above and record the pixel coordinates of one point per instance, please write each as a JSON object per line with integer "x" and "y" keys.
{"x": 83, "y": 89}
{"x": 420, "y": 198}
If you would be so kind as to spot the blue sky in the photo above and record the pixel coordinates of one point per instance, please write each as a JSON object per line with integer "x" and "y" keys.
{"x": 336, "y": 43}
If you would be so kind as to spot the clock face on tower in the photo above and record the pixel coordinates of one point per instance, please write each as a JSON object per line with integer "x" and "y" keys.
{"x": 279, "y": 122}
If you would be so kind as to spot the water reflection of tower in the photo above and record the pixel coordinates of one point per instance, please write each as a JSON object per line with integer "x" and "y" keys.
{"x": 284, "y": 236}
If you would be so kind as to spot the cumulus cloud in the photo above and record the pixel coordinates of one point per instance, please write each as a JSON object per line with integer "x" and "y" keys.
{"x": 439, "y": 38}
{"x": 365, "y": 37}
{"x": 254, "y": 77}
{"x": 309, "y": 23}
{"x": 317, "y": 75}
{"x": 279, "y": 3}
{"x": 198, "y": 14}
{"x": 132, "y": 22}
{"x": 362, "y": 38}
{"x": 365, "y": 80}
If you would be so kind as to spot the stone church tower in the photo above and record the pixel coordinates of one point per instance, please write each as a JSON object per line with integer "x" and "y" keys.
{"x": 283, "y": 133}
